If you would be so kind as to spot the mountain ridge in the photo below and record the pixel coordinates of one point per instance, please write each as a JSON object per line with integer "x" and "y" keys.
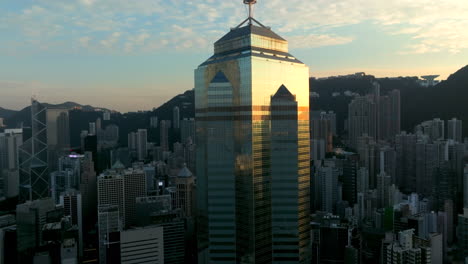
{"x": 6, "y": 113}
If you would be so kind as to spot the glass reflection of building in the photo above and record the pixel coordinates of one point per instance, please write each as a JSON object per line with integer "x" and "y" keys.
{"x": 252, "y": 126}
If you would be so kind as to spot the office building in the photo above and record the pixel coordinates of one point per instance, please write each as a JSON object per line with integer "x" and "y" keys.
{"x": 33, "y": 158}
{"x": 245, "y": 94}
{"x": 286, "y": 161}
{"x": 187, "y": 130}
{"x": 184, "y": 198}
{"x": 110, "y": 190}
{"x": 88, "y": 190}
{"x": 149, "y": 205}
{"x": 58, "y": 134}
{"x": 142, "y": 245}
{"x": 10, "y": 140}
{"x": 37, "y": 156}
{"x": 68, "y": 175}
{"x": 134, "y": 186}
{"x": 72, "y": 207}
{"x": 350, "y": 179}
{"x": 109, "y": 227}
{"x": 327, "y": 187}
{"x": 120, "y": 187}
{"x": 30, "y": 218}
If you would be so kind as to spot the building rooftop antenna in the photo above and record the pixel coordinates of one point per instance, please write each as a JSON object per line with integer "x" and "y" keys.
{"x": 250, "y": 19}
{"x": 250, "y": 3}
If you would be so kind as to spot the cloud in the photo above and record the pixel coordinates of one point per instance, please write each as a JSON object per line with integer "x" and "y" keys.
{"x": 84, "y": 41}
{"x": 111, "y": 40}
{"x": 314, "y": 41}
{"x": 431, "y": 26}
{"x": 87, "y": 2}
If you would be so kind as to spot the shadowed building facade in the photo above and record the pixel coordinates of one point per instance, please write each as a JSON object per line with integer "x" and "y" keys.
{"x": 253, "y": 150}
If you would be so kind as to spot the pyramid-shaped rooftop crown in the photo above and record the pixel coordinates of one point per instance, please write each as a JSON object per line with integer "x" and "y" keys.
{"x": 284, "y": 94}
{"x": 252, "y": 36}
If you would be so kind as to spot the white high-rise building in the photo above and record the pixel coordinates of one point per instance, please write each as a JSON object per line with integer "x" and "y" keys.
{"x": 455, "y": 130}
{"x": 10, "y": 140}
{"x": 121, "y": 187}
{"x": 9, "y": 143}
{"x": 176, "y": 117}
{"x": 164, "y": 134}
{"x": 106, "y": 116}
{"x": 110, "y": 189}
{"x": 92, "y": 128}
{"x": 383, "y": 185}
{"x": 362, "y": 118}
{"x": 142, "y": 144}
{"x": 363, "y": 180}
{"x": 154, "y": 122}
{"x": 328, "y": 180}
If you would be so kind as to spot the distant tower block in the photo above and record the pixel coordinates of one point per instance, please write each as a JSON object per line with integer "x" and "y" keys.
{"x": 429, "y": 80}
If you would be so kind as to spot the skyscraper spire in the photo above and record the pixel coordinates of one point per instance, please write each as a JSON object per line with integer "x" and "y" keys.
{"x": 250, "y": 19}
{"x": 250, "y": 3}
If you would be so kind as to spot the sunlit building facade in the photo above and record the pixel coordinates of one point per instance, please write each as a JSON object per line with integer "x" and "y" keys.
{"x": 253, "y": 150}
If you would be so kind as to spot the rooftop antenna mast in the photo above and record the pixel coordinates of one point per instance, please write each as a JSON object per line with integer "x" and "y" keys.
{"x": 250, "y": 19}
{"x": 250, "y": 3}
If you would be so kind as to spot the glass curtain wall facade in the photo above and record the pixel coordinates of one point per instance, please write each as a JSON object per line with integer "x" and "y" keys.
{"x": 33, "y": 158}
{"x": 242, "y": 212}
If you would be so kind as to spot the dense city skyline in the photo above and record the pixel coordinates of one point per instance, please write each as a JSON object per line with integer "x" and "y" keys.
{"x": 64, "y": 51}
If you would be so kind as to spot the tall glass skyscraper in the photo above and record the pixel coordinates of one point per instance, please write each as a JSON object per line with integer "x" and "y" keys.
{"x": 253, "y": 150}
{"x": 33, "y": 159}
